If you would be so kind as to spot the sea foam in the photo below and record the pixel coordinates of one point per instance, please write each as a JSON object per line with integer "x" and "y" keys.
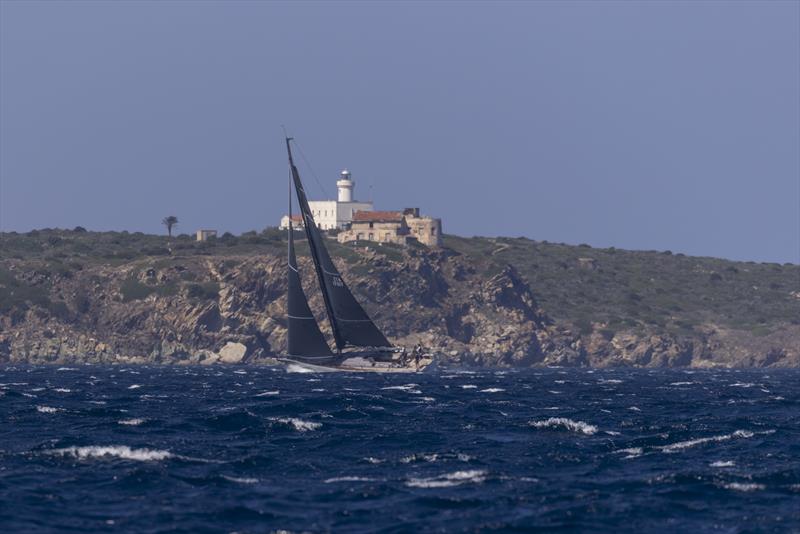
{"x": 675, "y": 447}
{"x": 113, "y": 451}
{"x": 568, "y": 424}
{"x": 475, "y": 476}
{"x": 297, "y": 424}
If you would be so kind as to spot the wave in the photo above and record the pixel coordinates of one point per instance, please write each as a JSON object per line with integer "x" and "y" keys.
{"x": 674, "y": 447}
{"x": 744, "y": 486}
{"x": 631, "y": 452}
{"x": 113, "y": 451}
{"x": 409, "y": 388}
{"x": 297, "y": 424}
{"x": 492, "y": 390}
{"x": 134, "y": 386}
{"x": 48, "y": 409}
{"x": 435, "y": 456}
{"x": 720, "y": 463}
{"x": 349, "y": 479}
{"x": 569, "y": 424}
{"x": 475, "y": 476}
{"x": 63, "y": 390}
{"x": 241, "y": 480}
{"x": 131, "y": 422}
{"x": 681, "y": 383}
{"x": 294, "y": 368}
{"x": 268, "y": 393}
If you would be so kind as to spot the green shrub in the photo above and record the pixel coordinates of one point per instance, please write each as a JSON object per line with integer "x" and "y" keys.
{"x": 204, "y": 291}
{"x": 132, "y": 289}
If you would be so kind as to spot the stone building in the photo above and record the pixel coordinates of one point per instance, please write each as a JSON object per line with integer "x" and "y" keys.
{"x": 205, "y": 235}
{"x": 398, "y": 227}
{"x": 333, "y": 214}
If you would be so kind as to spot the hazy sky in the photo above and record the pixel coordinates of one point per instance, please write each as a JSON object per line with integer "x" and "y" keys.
{"x": 658, "y": 125}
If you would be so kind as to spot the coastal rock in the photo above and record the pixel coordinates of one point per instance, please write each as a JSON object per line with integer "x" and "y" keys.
{"x": 198, "y": 310}
{"x": 232, "y": 353}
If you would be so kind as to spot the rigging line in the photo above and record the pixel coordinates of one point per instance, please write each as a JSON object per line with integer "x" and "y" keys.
{"x": 308, "y": 164}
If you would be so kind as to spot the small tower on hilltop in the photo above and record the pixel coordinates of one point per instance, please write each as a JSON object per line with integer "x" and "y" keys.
{"x": 345, "y": 185}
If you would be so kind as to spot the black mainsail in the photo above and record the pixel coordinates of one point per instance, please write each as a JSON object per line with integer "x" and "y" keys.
{"x": 305, "y": 338}
{"x": 350, "y": 324}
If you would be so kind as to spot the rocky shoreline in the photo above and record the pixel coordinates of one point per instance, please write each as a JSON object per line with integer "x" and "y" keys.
{"x": 200, "y": 309}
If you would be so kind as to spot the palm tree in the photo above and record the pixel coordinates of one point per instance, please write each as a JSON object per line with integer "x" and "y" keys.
{"x": 170, "y": 222}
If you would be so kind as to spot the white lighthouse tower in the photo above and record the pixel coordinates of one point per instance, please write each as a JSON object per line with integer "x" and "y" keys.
{"x": 345, "y": 185}
{"x": 333, "y": 214}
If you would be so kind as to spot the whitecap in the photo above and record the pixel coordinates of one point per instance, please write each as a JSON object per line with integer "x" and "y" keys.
{"x": 681, "y": 383}
{"x": 674, "y": 447}
{"x": 631, "y": 452}
{"x": 372, "y": 460}
{"x": 406, "y": 387}
{"x": 113, "y": 451}
{"x": 492, "y": 390}
{"x": 720, "y": 463}
{"x": 298, "y": 424}
{"x": 63, "y": 390}
{"x": 294, "y": 368}
{"x": 447, "y": 480}
{"x": 268, "y": 393}
{"x": 635, "y": 409}
{"x": 742, "y": 385}
{"x": 131, "y": 422}
{"x": 318, "y": 390}
{"x": 563, "y": 422}
{"x": 609, "y": 381}
{"x": 427, "y": 457}
{"x": 239, "y": 480}
{"x": 134, "y": 386}
{"x": 469, "y": 386}
{"x": 240, "y": 372}
{"x": 742, "y": 486}
{"x": 349, "y": 479}
{"x": 48, "y": 409}
{"x": 66, "y": 369}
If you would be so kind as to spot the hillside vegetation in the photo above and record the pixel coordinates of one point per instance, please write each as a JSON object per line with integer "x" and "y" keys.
{"x": 603, "y": 306}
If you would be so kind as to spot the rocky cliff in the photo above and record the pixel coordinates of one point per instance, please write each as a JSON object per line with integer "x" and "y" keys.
{"x": 229, "y": 307}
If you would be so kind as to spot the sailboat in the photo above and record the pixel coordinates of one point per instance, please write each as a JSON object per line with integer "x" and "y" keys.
{"x": 359, "y": 345}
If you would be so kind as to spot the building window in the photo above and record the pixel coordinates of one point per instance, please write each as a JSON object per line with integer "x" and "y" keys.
{"x": 359, "y": 236}
{"x": 371, "y": 225}
{"x": 371, "y": 237}
{"x": 433, "y": 231}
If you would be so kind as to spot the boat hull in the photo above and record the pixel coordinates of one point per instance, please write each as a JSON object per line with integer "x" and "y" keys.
{"x": 358, "y": 364}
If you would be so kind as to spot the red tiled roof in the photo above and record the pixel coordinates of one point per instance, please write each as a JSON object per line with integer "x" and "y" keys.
{"x": 378, "y": 216}
{"x": 297, "y": 218}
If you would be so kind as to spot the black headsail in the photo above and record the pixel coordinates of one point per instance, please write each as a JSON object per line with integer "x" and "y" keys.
{"x": 349, "y": 322}
{"x": 305, "y": 338}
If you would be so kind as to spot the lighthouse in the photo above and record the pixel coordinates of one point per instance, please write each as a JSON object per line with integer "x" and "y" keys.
{"x": 335, "y": 214}
{"x": 345, "y": 185}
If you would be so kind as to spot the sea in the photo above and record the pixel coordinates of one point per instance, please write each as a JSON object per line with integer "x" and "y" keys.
{"x": 274, "y": 449}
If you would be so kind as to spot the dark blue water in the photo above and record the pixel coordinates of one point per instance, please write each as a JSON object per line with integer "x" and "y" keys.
{"x": 255, "y": 449}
